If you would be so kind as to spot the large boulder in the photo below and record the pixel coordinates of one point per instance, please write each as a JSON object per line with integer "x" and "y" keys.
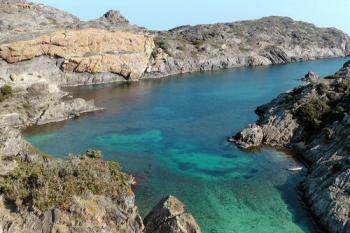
{"x": 170, "y": 216}
{"x": 250, "y": 137}
{"x": 311, "y": 77}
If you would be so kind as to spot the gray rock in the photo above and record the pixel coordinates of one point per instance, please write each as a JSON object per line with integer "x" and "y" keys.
{"x": 170, "y": 216}
{"x": 327, "y": 150}
{"x": 270, "y": 40}
{"x": 311, "y": 77}
{"x": 250, "y": 137}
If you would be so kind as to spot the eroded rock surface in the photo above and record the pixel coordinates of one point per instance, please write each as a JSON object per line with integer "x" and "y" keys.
{"x": 87, "y": 50}
{"x": 170, "y": 216}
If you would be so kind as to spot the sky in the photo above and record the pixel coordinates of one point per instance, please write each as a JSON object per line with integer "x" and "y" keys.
{"x": 167, "y": 14}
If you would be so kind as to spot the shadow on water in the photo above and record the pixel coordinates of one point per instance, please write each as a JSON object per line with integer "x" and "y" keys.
{"x": 294, "y": 201}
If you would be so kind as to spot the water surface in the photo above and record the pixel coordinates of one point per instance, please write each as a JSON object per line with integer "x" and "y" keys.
{"x": 171, "y": 135}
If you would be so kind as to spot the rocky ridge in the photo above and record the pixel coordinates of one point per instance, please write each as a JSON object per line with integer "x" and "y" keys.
{"x": 269, "y": 40}
{"x": 313, "y": 120}
{"x": 170, "y": 215}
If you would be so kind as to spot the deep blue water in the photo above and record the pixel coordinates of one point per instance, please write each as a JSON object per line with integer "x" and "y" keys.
{"x": 171, "y": 135}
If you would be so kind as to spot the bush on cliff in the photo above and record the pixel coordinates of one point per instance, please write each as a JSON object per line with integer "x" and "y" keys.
{"x": 310, "y": 114}
{"x": 322, "y": 88}
{"x": 54, "y": 183}
{"x": 5, "y": 91}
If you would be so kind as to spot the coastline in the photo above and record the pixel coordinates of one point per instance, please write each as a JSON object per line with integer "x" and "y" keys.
{"x": 35, "y": 68}
{"x": 282, "y": 123}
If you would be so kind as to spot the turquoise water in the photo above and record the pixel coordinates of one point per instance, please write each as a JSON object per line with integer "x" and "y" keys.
{"x": 171, "y": 135}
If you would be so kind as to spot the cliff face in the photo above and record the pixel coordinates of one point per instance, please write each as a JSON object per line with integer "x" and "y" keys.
{"x": 313, "y": 119}
{"x": 87, "y": 50}
{"x": 270, "y": 40}
{"x": 111, "y": 49}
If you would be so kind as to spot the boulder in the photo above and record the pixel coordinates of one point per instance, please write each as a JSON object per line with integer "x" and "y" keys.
{"x": 311, "y": 77}
{"x": 250, "y": 137}
{"x": 170, "y": 216}
{"x": 13, "y": 77}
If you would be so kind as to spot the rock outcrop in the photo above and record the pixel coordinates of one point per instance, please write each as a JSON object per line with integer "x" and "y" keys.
{"x": 270, "y": 40}
{"x": 22, "y": 20}
{"x": 110, "y": 47}
{"x": 78, "y": 194}
{"x": 313, "y": 120}
{"x": 170, "y": 215}
{"x": 87, "y": 50}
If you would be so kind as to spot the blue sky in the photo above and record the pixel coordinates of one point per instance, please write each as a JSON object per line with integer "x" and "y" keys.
{"x": 163, "y": 14}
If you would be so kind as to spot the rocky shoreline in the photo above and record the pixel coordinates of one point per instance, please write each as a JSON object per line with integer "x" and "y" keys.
{"x": 312, "y": 120}
{"x": 43, "y": 49}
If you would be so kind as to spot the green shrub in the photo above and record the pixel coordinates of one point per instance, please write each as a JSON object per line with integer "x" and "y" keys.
{"x": 6, "y": 90}
{"x": 53, "y": 184}
{"x": 293, "y": 95}
{"x": 322, "y": 88}
{"x": 335, "y": 114}
{"x": 341, "y": 87}
{"x": 310, "y": 114}
{"x": 2, "y": 97}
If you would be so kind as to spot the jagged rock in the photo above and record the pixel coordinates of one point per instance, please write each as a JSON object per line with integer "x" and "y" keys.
{"x": 250, "y": 137}
{"x": 311, "y": 77}
{"x": 328, "y": 133}
{"x": 170, "y": 216}
{"x": 317, "y": 127}
{"x": 95, "y": 154}
{"x": 114, "y": 17}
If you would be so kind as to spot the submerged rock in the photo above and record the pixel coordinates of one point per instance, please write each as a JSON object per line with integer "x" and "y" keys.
{"x": 170, "y": 216}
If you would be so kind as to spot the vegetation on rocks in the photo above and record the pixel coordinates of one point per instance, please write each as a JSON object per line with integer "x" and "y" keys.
{"x": 5, "y": 91}
{"x": 310, "y": 114}
{"x": 313, "y": 120}
{"x": 53, "y": 184}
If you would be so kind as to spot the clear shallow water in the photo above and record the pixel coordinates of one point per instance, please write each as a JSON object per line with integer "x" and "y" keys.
{"x": 171, "y": 134}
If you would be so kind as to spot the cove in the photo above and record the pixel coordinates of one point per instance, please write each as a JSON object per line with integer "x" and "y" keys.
{"x": 171, "y": 135}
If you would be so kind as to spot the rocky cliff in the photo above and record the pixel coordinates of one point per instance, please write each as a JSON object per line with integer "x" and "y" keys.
{"x": 270, "y": 40}
{"x": 110, "y": 49}
{"x": 313, "y": 120}
{"x": 87, "y": 51}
